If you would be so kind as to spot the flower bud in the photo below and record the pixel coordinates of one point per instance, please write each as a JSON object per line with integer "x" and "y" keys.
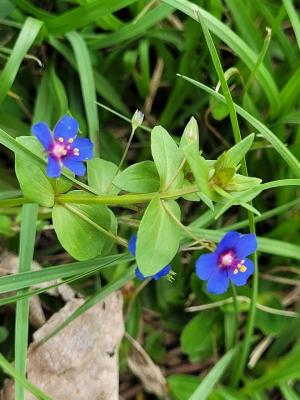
{"x": 190, "y": 134}
{"x": 137, "y": 119}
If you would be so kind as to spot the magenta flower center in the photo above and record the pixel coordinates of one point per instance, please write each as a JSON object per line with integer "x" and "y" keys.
{"x": 229, "y": 261}
{"x": 59, "y": 149}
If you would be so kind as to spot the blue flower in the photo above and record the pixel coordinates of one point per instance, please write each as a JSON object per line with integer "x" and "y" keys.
{"x": 64, "y": 148}
{"x": 163, "y": 272}
{"x": 228, "y": 262}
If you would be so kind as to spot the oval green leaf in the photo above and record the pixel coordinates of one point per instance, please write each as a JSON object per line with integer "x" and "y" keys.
{"x": 101, "y": 174}
{"x": 139, "y": 178}
{"x": 194, "y": 338}
{"x": 158, "y": 236}
{"x": 167, "y": 158}
{"x": 199, "y": 168}
{"x": 80, "y": 238}
{"x": 32, "y": 178}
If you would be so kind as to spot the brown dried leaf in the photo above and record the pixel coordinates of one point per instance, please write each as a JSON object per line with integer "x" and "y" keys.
{"x": 144, "y": 368}
{"x": 36, "y": 313}
{"x": 9, "y": 264}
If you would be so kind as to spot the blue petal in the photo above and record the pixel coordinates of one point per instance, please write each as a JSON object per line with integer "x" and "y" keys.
{"x": 66, "y": 128}
{"x": 205, "y": 265}
{"x": 218, "y": 282}
{"x": 77, "y": 167}
{"x": 245, "y": 245}
{"x": 42, "y": 132}
{"x": 138, "y": 274}
{"x": 85, "y": 147}
{"x": 132, "y": 245}
{"x": 241, "y": 278}
{"x": 228, "y": 241}
{"x": 53, "y": 168}
{"x": 162, "y": 272}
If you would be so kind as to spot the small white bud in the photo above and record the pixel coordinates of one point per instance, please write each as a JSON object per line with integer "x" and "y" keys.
{"x": 137, "y": 119}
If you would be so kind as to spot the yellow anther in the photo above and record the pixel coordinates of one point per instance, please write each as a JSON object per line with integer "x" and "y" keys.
{"x": 235, "y": 271}
{"x": 60, "y": 139}
{"x": 71, "y": 140}
{"x": 64, "y": 152}
{"x": 243, "y": 268}
{"x": 76, "y": 151}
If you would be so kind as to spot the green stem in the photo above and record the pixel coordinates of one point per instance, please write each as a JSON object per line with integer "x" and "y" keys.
{"x": 126, "y": 150}
{"x": 249, "y": 328}
{"x": 238, "y": 370}
{"x": 122, "y": 159}
{"x": 259, "y": 59}
{"x": 145, "y": 128}
{"x": 135, "y": 294}
{"x": 176, "y": 174}
{"x": 125, "y": 198}
{"x": 107, "y": 200}
{"x": 204, "y": 243}
{"x": 236, "y": 312}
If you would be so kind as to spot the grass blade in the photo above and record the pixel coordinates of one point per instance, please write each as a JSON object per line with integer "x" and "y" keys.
{"x": 27, "y": 241}
{"x": 8, "y": 369}
{"x": 286, "y": 368}
{"x": 288, "y": 392}
{"x": 237, "y": 137}
{"x": 59, "y": 93}
{"x": 94, "y": 299}
{"x": 103, "y": 86}
{"x": 284, "y": 152}
{"x": 268, "y": 214}
{"x": 132, "y": 30}
{"x": 109, "y": 93}
{"x": 76, "y": 18}
{"x": 29, "y": 8}
{"x": 290, "y": 94}
{"x": 245, "y": 23}
{"x": 294, "y": 18}
{"x": 213, "y": 377}
{"x": 57, "y": 283}
{"x": 82, "y": 16}
{"x": 27, "y": 279}
{"x": 25, "y": 40}
{"x": 260, "y": 59}
{"x": 239, "y": 47}
{"x": 256, "y": 191}
{"x": 88, "y": 88}
{"x": 224, "y": 85}
{"x": 274, "y": 22}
